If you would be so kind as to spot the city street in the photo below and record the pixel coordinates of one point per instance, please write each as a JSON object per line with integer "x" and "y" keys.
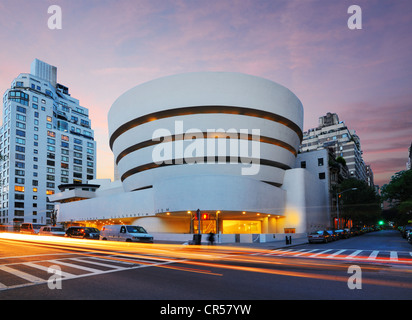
{"x": 92, "y": 269}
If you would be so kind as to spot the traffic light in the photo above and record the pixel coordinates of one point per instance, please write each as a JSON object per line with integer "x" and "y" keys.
{"x": 381, "y": 223}
{"x": 205, "y": 216}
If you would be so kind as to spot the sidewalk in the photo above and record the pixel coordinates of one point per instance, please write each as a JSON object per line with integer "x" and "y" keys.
{"x": 258, "y": 245}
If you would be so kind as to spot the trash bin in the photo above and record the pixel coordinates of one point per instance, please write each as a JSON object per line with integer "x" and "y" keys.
{"x": 197, "y": 239}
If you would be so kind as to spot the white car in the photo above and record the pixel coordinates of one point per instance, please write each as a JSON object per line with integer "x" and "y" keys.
{"x": 125, "y": 233}
{"x": 52, "y": 231}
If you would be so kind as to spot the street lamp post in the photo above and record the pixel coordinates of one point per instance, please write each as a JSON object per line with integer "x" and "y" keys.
{"x": 337, "y": 202}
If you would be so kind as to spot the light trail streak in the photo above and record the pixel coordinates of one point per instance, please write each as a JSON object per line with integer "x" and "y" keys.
{"x": 216, "y": 257}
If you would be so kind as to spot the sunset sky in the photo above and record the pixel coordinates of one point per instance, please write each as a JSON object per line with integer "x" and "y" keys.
{"x": 106, "y": 47}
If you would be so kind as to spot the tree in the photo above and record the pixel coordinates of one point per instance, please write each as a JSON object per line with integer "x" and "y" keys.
{"x": 362, "y": 205}
{"x": 398, "y": 193}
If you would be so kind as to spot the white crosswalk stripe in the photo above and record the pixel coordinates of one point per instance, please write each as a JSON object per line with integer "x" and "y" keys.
{"x": 109, "y": 263}
{"x": 373, "y": 255}
{"x": 347, "y": 254}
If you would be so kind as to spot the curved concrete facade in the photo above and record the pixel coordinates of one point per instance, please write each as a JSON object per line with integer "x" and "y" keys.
{"x": 198, "y": 104}
{"x": 223, "y": 143}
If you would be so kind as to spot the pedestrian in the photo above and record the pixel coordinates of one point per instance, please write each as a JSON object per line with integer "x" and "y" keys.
{"x": 211, "y": 238}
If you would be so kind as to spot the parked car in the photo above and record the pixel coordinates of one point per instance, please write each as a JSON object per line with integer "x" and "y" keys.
{"x": 406, "y": 229}
{"x": 125, "y": 233}
{"x": 83, "y": 232}
{"x": 342, "y": 234}
{"x": 319, "y": 236}
{"x": 30, "y": 228}
{"x": 410, "y": 237}
{"x": 349, "y": 231}
{"x": 52, "y": 231}
{"x": 356, "y": 231}
{"x": 333, "y": 235}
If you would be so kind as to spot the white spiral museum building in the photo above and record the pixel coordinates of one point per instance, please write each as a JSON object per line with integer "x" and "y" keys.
{"x": 223, "y": 143}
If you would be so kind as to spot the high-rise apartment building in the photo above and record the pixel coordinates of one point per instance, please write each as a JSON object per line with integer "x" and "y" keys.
{"x": 332, "y": 133}
{"x": 408, "y": 164}
{"x": 45, "y": 140}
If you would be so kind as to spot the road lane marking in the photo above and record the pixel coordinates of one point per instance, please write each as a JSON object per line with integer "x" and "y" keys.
{"x": 299, "y": 254}
{"x": 318, "y": 253}
{"x": 373, "y": 255}
{"x": 335, "y": 254}
{"x": 393, "y": 256}
{"x": 98, "y": 263}
{"x": 21, "y": 274}
{"x": 353, "y": 254}
{"x": 47, "y": 269}
{"x": 76, "y": 266}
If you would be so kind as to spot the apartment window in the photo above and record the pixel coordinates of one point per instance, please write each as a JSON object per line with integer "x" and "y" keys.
{"x": 19, "y": 164}
{"x": 77, "y": 175}
{"x": 49, "y": 192}
{"x": 19, "y": 180}
{"x": 19, "y": 173}
{"x": 19, "y": 213}
{"x": 322, "y": 175}
{"x": 51, "y": 134}
{"x": 20, "y": 156}
{"x": 20, "y": 149}
{"x": 19, "y": 204}
{"x": 19, "y": 188}
{"x": 20, "y": 117}
{"x": 320, "y": 162}
{"x": 21, "y": 109}
{"x": 20, "y": 125}
{"x": 20, "y": 133}
{"x": 303, "y": 164}
{"x": 65, "y": 138}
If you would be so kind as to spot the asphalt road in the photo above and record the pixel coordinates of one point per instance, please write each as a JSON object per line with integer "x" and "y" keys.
{"x": 96, "y": 270}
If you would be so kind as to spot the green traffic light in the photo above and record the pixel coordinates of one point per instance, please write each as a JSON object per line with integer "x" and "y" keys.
{"x": 381, "y": 222}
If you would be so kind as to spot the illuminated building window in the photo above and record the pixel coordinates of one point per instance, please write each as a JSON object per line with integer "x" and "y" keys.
{"x": 19, "y": 188}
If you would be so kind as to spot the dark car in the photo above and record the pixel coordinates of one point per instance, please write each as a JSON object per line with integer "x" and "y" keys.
{"x": 319, "y": 236}
{"x": 405, "y": 230}
{"x": 343, "y": 234}
{"x": 83, "y": 232}
{"x": 356, "y": 231}
{"x": 333, "y": 235}
{"x": 410, "y": 237}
